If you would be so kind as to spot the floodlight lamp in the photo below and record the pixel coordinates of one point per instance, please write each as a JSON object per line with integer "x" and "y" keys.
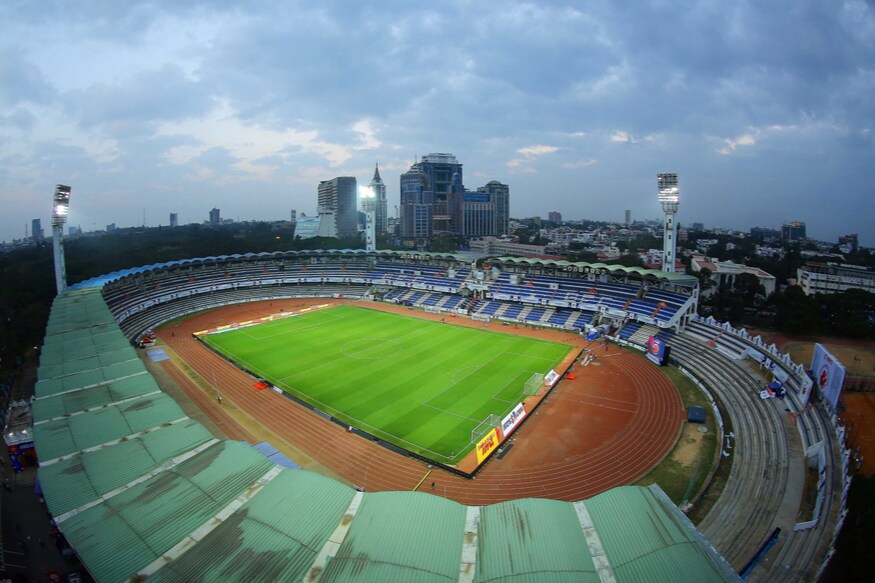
{"x": 669, "y": 195}
{"x": 61, "y": 205}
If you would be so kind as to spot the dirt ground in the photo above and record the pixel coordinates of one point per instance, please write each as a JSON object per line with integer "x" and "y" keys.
{"x": 858, "y": 358}
{"x": 606, "y": 428}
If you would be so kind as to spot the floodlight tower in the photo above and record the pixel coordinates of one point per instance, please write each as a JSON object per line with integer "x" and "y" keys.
{"x": 669, "y": 199}
{"x": 59, "y": 218}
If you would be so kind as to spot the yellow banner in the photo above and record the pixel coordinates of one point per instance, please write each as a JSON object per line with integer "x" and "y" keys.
{"x": 486, "y": 445}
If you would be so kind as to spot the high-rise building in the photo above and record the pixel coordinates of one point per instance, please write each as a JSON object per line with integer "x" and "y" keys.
{"x": 486, "y": 212}
{"x": 381, "y": 214}
{"x": 628, "y": 217}
{"x": 416, "y": 204}
{"x": 293, "y": 217}
{"x": 337, "y": 205}
{"x": 36, "y": 230}
{"x": 554, "y": 217}
{"x": 174, "y": 220}
{"x": 434, "y": 182}
{"x": 444, "y": 174}
{"x": 215, "y": 217}
{"x": 434, "y": 200}
{"x": 793, "y": 231}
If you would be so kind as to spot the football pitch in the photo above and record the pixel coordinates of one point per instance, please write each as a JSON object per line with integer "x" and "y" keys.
{"x": 418, "y": 384}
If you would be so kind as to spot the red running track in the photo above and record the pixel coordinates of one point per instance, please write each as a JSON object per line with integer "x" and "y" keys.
{"x": 607, "y": 428}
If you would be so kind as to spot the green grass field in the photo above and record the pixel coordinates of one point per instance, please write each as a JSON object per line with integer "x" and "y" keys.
{"x": 418, "y": 384}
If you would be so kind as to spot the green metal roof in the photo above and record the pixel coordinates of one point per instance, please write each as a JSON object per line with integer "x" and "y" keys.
{"x": 66, "y": 435}
{"x": 126, "y": 532}
{"x": 77, "y": 310}
{"x": 401, "y": 536}
{"x": 48, "y": 406}
{"x": 640, "y": 271}
{"x": 82, "y": 343}
{"x": 528, "y": 539}
{"x": 87, "y": 378}
{"x": 80, "y": 479}
{"x": 662, "y": 541}
{"x": 100, "y": 360}
{"x": 276, "y": 536}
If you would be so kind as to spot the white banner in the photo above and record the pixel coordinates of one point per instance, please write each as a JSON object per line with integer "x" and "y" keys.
{"x": 768, "y": 364}
{"x": 514, "y": 418}
{"x": 829, "y": 375}
{"x": 551, "y": 378}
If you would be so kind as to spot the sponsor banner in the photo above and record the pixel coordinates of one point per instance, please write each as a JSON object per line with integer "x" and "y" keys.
{"x": 486, "y": 445}
{"x": 514, "y": 418}
{"x": 657, "y": 351}
{"x": 551, "y": 378}
{"x": 829, "y": 375}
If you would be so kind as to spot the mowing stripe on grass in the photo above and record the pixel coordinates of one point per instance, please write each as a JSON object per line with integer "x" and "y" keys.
{"x": 418, "y": 384}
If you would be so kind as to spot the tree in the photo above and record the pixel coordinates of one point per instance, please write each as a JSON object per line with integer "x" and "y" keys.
{"x": 629, "y": 260}
{"x": 748, "y": 286}
{"x": 704, "y": 276}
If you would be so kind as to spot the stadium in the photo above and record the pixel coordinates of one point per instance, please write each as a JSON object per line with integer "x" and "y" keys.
{"x": 181, "y": 503}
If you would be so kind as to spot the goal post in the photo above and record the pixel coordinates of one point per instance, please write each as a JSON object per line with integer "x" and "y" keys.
{"x": 533, "y": 384}
{"x": 480, "y": 318}
{"x": 484, "y": 427}
{"x": 432, "y": 310}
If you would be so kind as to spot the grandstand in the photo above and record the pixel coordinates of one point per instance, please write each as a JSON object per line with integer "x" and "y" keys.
{"x": 538, "y": 292}
{"x": 182, "y": 496}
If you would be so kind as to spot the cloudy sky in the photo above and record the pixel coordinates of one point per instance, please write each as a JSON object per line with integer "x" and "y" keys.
{"x": 764, "y": 109}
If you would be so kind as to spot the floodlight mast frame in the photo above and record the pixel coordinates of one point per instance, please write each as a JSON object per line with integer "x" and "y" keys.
{"x": 669, "y": 198}
{"x": 60, "y": 208}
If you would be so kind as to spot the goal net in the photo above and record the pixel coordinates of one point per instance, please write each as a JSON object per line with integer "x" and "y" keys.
{"x": 484, "y": 427}
{"x": 535, "y": 382}
{"x": 479, "y": 318}
{"x": 432, "y": 309}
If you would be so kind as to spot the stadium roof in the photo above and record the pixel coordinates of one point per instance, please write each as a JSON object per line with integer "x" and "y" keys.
{"x": 614, "y": 269}
{"x": 101, "y": 280}
{"x": 143, "y": 492}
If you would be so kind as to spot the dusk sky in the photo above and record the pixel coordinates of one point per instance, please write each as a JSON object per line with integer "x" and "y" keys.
{"x": 764, "y": 109}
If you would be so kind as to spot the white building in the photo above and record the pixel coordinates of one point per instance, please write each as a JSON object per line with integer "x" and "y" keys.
{"x": 831, "y": 278}
{"x": 337, "y": 207}
{"x": 496, "y": 246}
{"x": 725, "y": 272}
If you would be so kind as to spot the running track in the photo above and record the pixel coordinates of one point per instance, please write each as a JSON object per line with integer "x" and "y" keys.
{"x": 549, "y": 460}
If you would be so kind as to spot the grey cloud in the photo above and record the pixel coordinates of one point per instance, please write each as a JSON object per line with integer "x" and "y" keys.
{"x": 21, "y": 81}
{"x": 20, "y": 119}
{"x": 147, "y": 96}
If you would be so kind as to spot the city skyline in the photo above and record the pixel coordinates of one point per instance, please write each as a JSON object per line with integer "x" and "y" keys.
{"x": 762, "y": 110}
